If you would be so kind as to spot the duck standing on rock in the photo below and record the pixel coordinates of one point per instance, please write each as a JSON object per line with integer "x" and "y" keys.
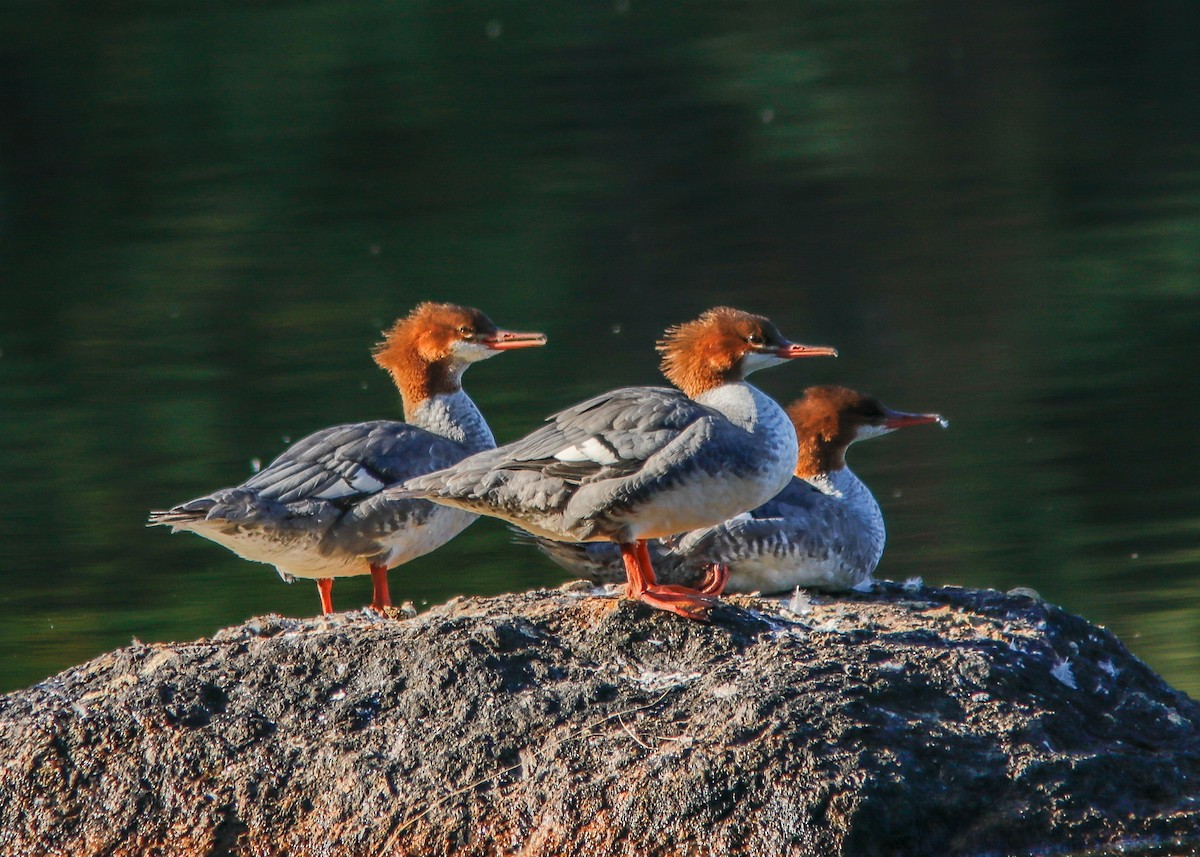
{"x": 640, "y": 463}
{"x": 824, "y": 530}
{"x": 318, "y": 510}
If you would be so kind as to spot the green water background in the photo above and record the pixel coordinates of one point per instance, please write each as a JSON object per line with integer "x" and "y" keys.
{"x": 208, "y": 210}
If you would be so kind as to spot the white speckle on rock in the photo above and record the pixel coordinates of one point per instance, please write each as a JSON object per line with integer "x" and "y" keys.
{"x": 912, "y": 584}
{"x": 655, "y": 680}
{"x": 1062, "y": 672}
{"x": 799, "y": 604}
{"x": 725, "y": 691}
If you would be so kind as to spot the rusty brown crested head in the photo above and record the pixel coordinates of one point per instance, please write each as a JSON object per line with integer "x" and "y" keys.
{"x": 725, "y": 345}
{"x": 829, "y": 418}
{"x": 427, "y": 351}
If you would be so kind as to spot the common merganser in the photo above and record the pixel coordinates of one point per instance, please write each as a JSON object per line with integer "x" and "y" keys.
{"x": 646, "y": 462}
{"x": 317, "y": 511}
{"x": 823, "y": 531}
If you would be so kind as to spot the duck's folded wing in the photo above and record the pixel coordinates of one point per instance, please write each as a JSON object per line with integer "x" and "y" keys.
{"x": 598, "y": 445}
{"x": 800, "y": 521}
{"x": 345, "y": 464}
{"x": 608, "y": 436}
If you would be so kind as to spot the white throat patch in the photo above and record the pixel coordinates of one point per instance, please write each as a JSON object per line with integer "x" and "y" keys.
{"x": 471, "y": 352}
{"x": 752, "y": 361}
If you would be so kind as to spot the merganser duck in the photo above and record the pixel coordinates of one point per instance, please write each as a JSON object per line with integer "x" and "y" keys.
{"x": 823, "y": 531}
{"x": 640, "y": 463}
{"x": 317, "y": 511}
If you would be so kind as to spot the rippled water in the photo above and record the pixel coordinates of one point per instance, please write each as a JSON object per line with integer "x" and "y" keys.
{"x": 208, "y": 211}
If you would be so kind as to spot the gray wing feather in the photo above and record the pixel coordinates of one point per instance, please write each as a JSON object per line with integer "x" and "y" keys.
{"x": 631, "y": 424}
{"x": 325, "y": 493}
{"x": 318, "y": 479}
{"x": 348, "y": 463}
{"x": 625, "y": 429}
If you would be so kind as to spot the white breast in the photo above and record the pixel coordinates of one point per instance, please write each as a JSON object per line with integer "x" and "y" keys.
{"x": 771, "y": 432}
{"x": 703, "y": 500}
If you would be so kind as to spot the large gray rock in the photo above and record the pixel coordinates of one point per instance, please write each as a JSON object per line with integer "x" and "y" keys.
{"x": 932, "y": 721}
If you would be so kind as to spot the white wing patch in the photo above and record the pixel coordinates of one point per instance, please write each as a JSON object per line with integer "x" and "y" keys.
{"x": 590, "y": 450}
{"x": 360, "y": 483}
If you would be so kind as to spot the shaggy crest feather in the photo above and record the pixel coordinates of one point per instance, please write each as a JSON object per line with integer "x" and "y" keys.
{"x": 417, "y": 349}
{"x": 707, "y": 352}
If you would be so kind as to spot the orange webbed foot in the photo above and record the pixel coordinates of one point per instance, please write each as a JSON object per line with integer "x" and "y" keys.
{"x": 715, "y": 579}
{"x": 680, "y": 601}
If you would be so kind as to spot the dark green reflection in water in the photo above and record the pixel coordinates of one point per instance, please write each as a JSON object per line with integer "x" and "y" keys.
{"x": 208, "y": 210}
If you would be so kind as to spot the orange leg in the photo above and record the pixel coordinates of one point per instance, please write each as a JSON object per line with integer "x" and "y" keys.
{"x": 643, "y": 557}
{"x": 715, "y": 579}
{"x": 325, "y": 588}
{"x": 645, "y": 572}
{"x": 380, "y": 596}
{"x": 640, "y": 584}
{"x": 636, "y": 581}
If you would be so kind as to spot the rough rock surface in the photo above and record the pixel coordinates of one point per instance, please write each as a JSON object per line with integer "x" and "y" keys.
{"x": 902, "y": 721}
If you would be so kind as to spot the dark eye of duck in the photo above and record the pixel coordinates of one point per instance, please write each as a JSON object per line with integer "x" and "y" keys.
{"x": 755, "y": 339}
{"x": 466, "y": 332}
